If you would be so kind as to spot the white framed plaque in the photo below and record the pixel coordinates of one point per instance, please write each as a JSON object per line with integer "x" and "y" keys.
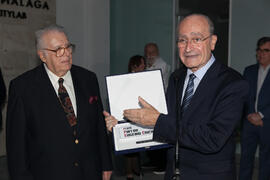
{"x": 123, "y": 92}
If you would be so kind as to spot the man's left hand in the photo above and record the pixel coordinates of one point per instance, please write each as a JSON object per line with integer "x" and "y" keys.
{"x": 106, "y": 175}
{"x": 147, "y": 115}
{"x": 255, "y": 119}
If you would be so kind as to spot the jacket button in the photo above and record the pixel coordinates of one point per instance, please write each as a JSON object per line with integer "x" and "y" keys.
{"x": 76, "y": 164}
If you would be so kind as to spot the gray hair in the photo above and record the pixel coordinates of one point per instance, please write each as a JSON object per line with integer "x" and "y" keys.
{"x": 209, "y": 21}
{"x": 40, "y": 33}
{"x": 151, "y": 44}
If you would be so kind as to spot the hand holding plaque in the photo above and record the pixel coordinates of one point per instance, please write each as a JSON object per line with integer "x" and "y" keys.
{"x": 146, "y": 116}
{"x": 136, "y": 99}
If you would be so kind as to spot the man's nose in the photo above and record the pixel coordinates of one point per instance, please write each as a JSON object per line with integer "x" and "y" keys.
{"x": 188, "y": 46}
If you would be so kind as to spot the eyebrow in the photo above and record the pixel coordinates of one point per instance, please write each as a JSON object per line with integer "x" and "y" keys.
{"x": 192, "y": 34}
{"x": 60, "y": 46}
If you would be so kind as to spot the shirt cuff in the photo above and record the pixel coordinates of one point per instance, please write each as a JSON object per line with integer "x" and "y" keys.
{"x": 262, "y": 116}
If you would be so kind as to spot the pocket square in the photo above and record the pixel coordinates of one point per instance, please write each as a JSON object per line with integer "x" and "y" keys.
{"x": 93, "y": 99}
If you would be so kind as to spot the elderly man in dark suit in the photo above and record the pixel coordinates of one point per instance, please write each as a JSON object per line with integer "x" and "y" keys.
{"x": 256, "y": 125}
{"x": 205, "y": 102}
{"x": 55, "y": 126}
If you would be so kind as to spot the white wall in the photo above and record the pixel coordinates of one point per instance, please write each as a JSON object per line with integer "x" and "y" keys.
{"x": 249, "y": 22}
{"x": 87, "y": 24}
{"x": 17, "y": 44}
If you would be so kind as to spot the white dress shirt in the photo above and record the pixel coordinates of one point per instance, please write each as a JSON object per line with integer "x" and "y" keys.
{"x": 68, "y": 83}
{"x": 165, "y": 69}
{"x": 199, "y": 75}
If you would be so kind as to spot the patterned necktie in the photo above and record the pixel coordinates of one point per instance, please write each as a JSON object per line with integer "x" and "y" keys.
{"x": 66, "y": 103}
{"x": 188, "y": 93}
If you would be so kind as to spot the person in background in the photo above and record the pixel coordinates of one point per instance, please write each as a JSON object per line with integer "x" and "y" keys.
{"x": 205, "y": 101}
{"x": 136, "y": 64}
{"x": 256, "y": 125}
{"x": 154, "y": 61}
{"x": 2, "y": 97}
{"x": 55, "y": 126}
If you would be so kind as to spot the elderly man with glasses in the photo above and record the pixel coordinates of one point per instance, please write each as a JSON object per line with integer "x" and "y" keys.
{"x": 205, "y": 101}
{"x": 55, "y": 126}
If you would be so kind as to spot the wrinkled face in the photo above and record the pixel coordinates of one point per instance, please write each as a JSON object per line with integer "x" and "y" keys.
{"x": 139, "y": 68}
{"x": 151, "y": 53}
{"x": 196, "y": 52}
{"x": 58, "y": 65}
{"x": 263, "y": 54}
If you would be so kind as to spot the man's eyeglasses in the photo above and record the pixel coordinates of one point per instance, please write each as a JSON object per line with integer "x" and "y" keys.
{"x": 196, "y": 41}
{"x": 263, "y": 50}
{"x": 61, "y": 50}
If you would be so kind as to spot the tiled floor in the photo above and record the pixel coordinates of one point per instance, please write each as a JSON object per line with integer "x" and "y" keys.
{"x": 147, "y": 175}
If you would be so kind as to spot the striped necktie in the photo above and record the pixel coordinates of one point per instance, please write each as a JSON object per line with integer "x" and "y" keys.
{"x": 188, "y": 93}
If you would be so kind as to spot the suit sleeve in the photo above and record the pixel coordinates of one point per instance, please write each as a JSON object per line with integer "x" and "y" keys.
{"x": 250, "y": 101}
{"x": 17, "y": 155}
{"x": 165, "y": 130}
{"x": 2, "y": 90}
{"x": 2, "y": 96}
{"x": 210, "y": 135}
{"x": 265, "y": 110}
{"x": 103, "y": 138}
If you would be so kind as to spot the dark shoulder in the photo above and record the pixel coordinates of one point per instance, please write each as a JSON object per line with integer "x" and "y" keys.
{"x": 229, "y": 73}
{"x": 83, "y": 75}
{"x": 28, "y": 76}
{"x": 179, "y": 72}
{"x": 251, "y": 68}
{"x": 82, "y": 71}
{"x": 231, "y": 79}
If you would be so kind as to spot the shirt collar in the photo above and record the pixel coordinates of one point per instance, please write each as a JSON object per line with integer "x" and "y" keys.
{"x": 54, "y": 78}
{"x": 201, "y": 72}
{"x": 266, "y": 69}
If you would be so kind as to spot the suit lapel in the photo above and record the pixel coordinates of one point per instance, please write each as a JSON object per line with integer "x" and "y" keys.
{"x": 80, "y": 101}
{"x": 180, "y": 84}
{"x": 201, "y": 91}
{"x": 266, "y": 80}
{"x": 254, "y": 82}
{"x": 51, "y": 98}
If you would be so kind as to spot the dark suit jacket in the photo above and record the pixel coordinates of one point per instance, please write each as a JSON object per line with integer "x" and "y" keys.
{"x": 251, "y": 75}
{"x": 40, "y": 142}
{"x": 2, "y": 97}
{"x": 206, "y": 130}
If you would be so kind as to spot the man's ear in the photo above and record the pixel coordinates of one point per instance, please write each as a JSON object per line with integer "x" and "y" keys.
{"x": 41, "y": 56}
{"x": 213, "y": 42}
